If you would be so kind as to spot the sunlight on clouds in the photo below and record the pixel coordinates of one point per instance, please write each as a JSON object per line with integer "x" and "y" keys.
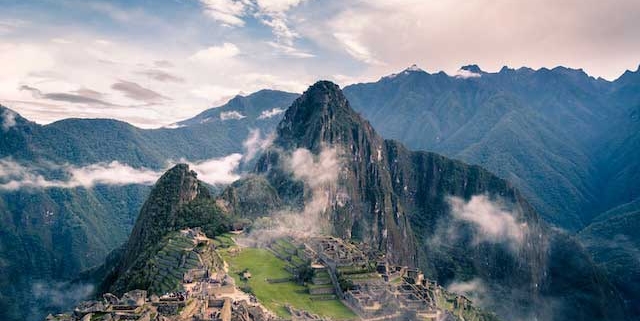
{"x": 218, "y": 170}
{"x": 214, "y": 55}
{"x": 228, "y": 12}
{"x": 356, "y": 49}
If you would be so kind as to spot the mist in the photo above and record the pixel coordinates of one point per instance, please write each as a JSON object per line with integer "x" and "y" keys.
{"x": 56, "y": 296}
{"x": 214, "y": 171}
{"x": 255, "y": 143}
{"x": 495, "y": 222}
{"x": 8, "y": 119}
{"x": 15, "y": 175}
{"x": 319, "y": 173}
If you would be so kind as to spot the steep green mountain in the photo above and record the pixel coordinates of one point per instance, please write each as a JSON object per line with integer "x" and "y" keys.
{"x": 49, "y": 235}
{"x": 177, "y": 201}
{"x": 548, "y": 132}
{"x": 400, "y": 202}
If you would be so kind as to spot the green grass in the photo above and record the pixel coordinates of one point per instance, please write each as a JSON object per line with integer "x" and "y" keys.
{"x": 263, "y": 264}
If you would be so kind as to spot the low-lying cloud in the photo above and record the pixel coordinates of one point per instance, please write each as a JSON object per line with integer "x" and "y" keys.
{"x": 473, "y": 289}
{"x": 255, "y": 143}
{"x": 57, "y": 296}
{"x": 271, "y": 113}
{"x": 495, "y": 222}
{"x": 226, "y": 115}
{"x": 466, "y": 74}
{"x": 320, "y": 174}
{"x": 218, "y": 170}
{"x": 15, "y": 175}
{"x": 8, "y": 119}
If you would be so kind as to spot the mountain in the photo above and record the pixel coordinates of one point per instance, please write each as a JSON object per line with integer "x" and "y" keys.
{"x": 548, "y": 131}
{"x": 177, "y": 201}
{"x": 459, "y": 223}
{"x": 614, "y": 242}
{"x": 88, "y": 141}
{"x": 49, "y": 235}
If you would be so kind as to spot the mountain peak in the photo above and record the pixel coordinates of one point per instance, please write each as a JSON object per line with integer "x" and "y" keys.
{"x": 322, "y": 115}
{"x": 472, "y": 68}
{"x": 177, "y": 186}
{"x": 407, "y": 71}
{"x": 414, "y": 67}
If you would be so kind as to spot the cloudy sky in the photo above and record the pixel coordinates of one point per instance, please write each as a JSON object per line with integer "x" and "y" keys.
{"x": 152, "y": 62}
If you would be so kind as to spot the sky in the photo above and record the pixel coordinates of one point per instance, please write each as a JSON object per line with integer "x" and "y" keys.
{"x": 155, "y": 62}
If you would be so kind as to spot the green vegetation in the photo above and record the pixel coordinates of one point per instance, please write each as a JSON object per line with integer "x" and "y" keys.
{"x": 265, "y": 265}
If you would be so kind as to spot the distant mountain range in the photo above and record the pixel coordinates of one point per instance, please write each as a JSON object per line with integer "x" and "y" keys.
{"x": 570, "y": 143}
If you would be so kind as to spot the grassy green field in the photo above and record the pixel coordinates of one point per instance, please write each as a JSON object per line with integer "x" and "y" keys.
{"x": 264, "y": 265}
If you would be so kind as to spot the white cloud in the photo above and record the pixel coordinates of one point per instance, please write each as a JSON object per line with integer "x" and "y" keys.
{"x": 113, "y": 173}
{"x": 320, "y": 174}
{"x": 276, "y": 6}
{"x": 8, "y": 119}
{"x": 474, "y": 289}
{"x": 215, "y": 54}
{"x": 493, "y": 220}
{"x": 466, "y": 74}
{"x": 315, "y": 170}
{"x": 218, "y": 170}
{"x": 272, "y": 13}
{"x": 15, "y": 176}
{"x": 271, "y": 113}
{"x": 474, "y": 285}
{"x": 226, "y": 115}
{"x": 280, "y": 29}
{"x": 228, "y": 12}
{"x": 255, "y": 143}
{"x": 356, "y": 49}
{"x": 290, "y": 51}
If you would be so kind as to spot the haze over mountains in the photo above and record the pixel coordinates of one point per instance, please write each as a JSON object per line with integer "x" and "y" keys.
{"x": 567, "y": 141}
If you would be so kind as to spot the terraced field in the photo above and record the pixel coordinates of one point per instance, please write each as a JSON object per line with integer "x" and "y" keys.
{"x": 175, "y": 258}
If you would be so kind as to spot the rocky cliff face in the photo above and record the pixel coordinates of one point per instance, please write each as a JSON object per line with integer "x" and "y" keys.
{"x": 459, "y": 223}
